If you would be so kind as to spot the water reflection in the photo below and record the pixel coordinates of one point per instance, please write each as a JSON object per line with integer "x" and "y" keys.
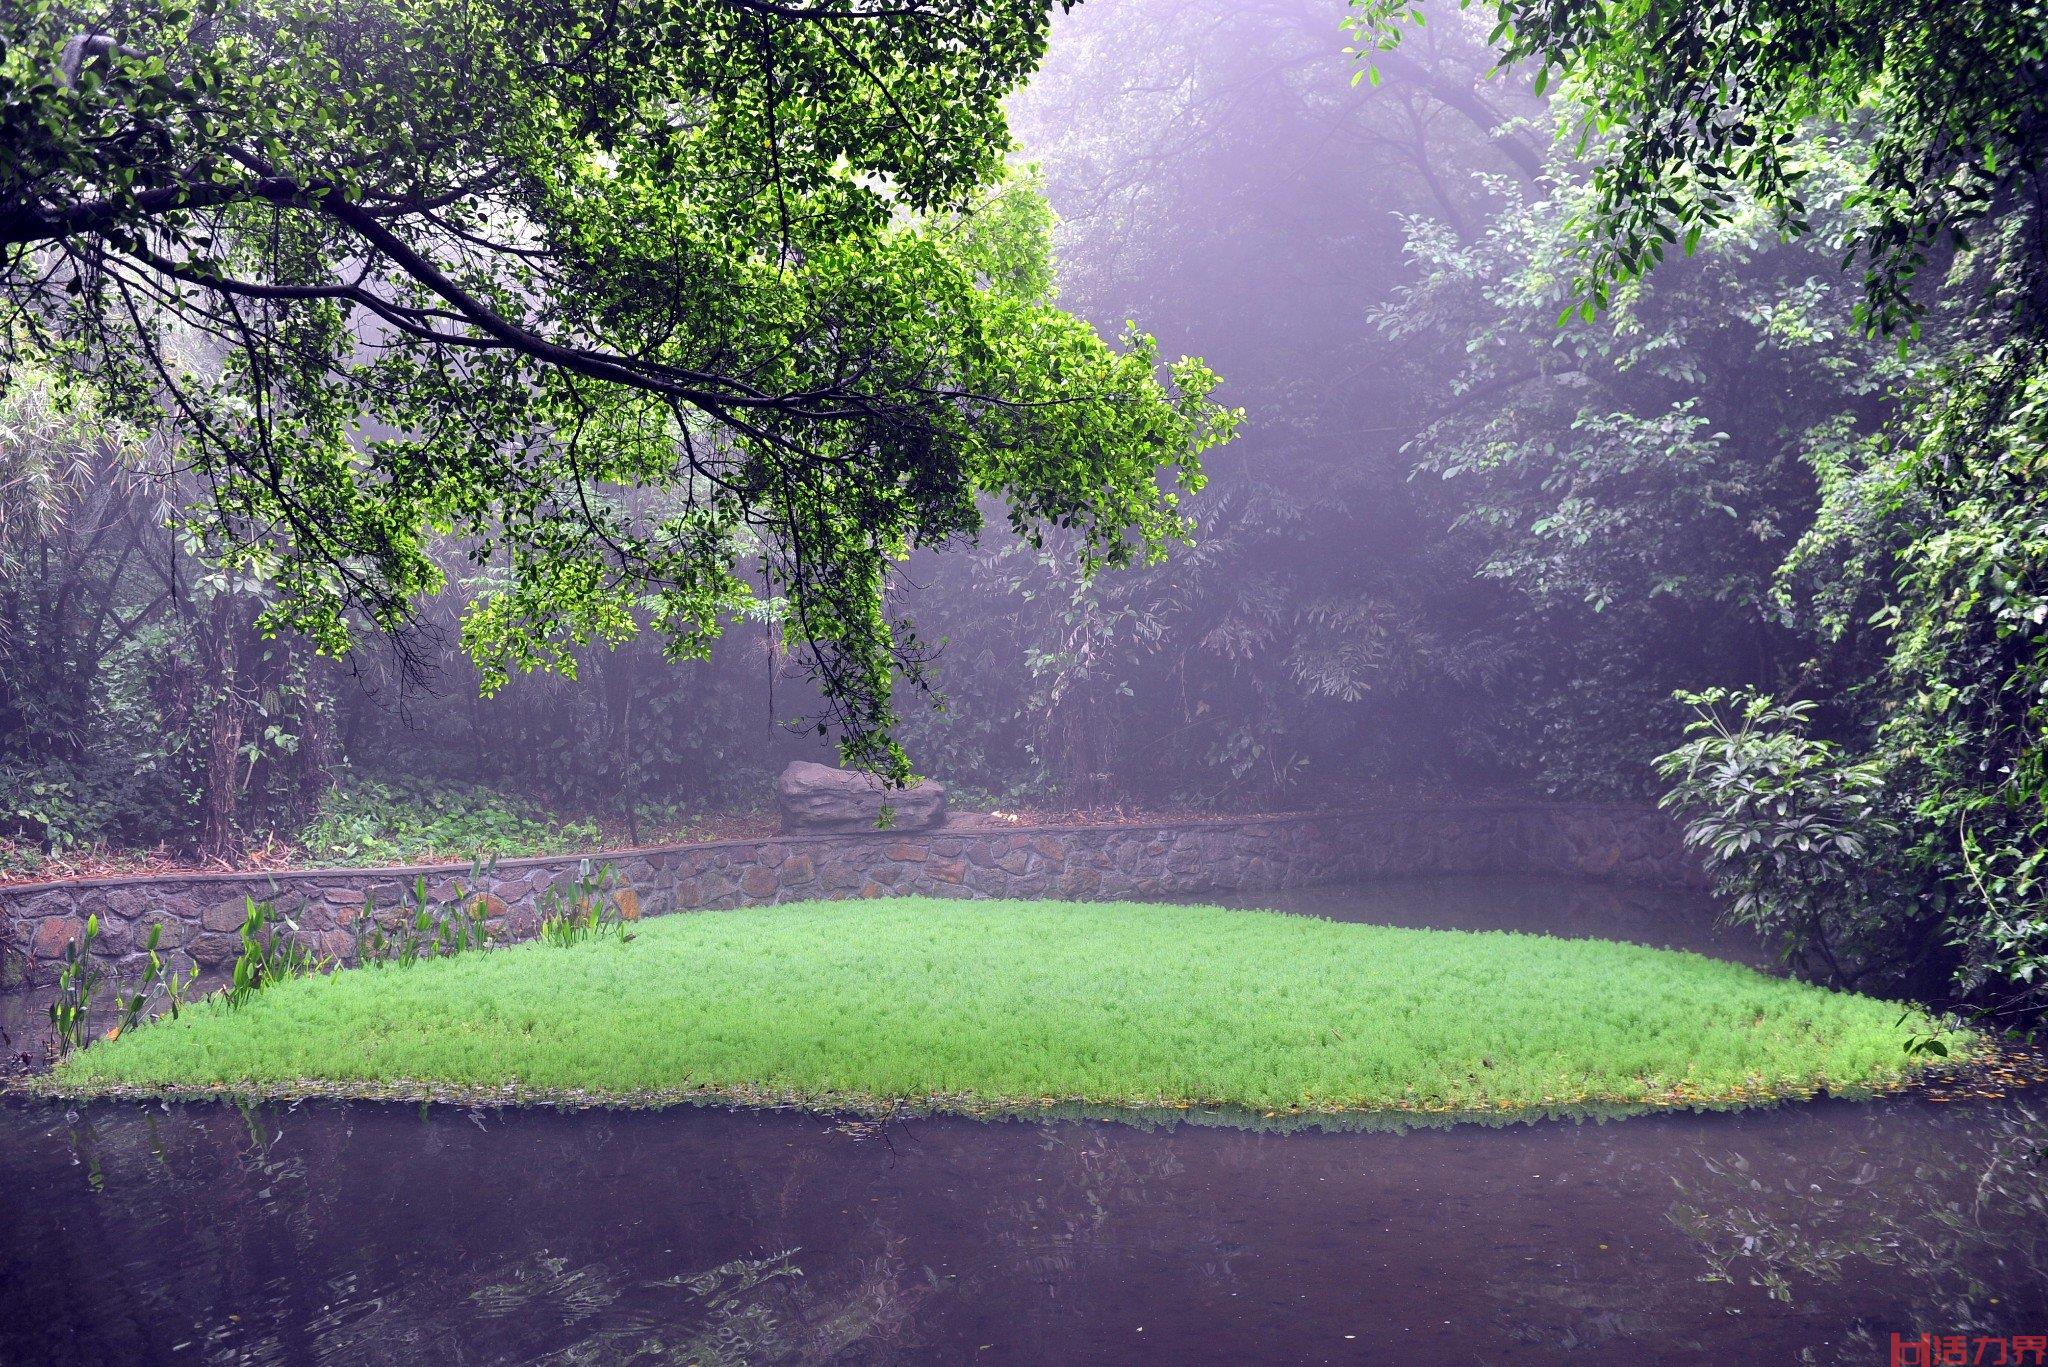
{"x": 383, "y": 1234}
{"x": 370, "y": 1234}
{"x": 1965, "y": 1221}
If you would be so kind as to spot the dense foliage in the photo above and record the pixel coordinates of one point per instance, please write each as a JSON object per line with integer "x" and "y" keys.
{"x": 138, "y": 703}
{"x": 1687, "y": 112}
{"x": 1925, "y": 560}
{"x": 656, "y": 309}
{"x": 1638, "y": 477}
{"x": 594, "y": 338}
{"x": 408, "y": 821}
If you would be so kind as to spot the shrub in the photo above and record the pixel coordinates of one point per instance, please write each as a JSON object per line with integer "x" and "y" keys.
{"x": 1798, "y": 839}
{"x": 52, "y": 806}
{"x": 363, "y": 822}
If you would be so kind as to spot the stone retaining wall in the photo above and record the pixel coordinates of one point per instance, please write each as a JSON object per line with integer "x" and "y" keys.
{"x": 202, "y": 914}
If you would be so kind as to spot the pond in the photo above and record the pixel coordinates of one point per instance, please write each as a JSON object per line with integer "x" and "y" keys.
{"x": 366, "y": 1233}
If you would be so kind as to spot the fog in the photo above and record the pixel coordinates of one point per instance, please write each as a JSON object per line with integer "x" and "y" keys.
{"x": 1458, "y": 544}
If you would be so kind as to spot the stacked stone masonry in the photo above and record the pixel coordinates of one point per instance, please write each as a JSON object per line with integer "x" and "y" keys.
{"x": 202, "y": 914}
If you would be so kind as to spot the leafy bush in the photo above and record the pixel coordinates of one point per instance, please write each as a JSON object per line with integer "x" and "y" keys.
{"x": 365, "y": 822}
{"x": 1798, "y": 839}
{"x": 53, "y": 806}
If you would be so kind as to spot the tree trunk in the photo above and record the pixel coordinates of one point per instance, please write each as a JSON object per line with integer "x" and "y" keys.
{"x": 218, "y": 838}
{"x": 313, "y": 761}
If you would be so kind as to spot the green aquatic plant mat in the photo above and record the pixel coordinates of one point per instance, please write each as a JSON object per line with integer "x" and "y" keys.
{"x": 990, "y": 1007}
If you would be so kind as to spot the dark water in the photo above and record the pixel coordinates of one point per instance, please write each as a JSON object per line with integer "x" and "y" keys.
{"x": 328, "y": 1233}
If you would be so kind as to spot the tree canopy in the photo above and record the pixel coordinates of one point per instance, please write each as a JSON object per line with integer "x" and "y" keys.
{"x": 1928, "y": 548}
{"x": 624, "y": 297}
{"x": 1691, "y": 109}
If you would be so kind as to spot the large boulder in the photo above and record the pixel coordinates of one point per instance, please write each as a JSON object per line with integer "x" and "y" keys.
{"x": 817, "y": 797}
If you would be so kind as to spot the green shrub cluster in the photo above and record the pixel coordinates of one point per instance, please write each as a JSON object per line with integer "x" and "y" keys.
{"x": 402, "y": 820}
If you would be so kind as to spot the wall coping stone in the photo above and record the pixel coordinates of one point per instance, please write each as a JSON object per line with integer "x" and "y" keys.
{"x": 385, "y": 872}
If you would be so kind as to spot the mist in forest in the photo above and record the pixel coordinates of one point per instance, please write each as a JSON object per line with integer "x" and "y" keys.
{"x": 1454, "y": 546}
